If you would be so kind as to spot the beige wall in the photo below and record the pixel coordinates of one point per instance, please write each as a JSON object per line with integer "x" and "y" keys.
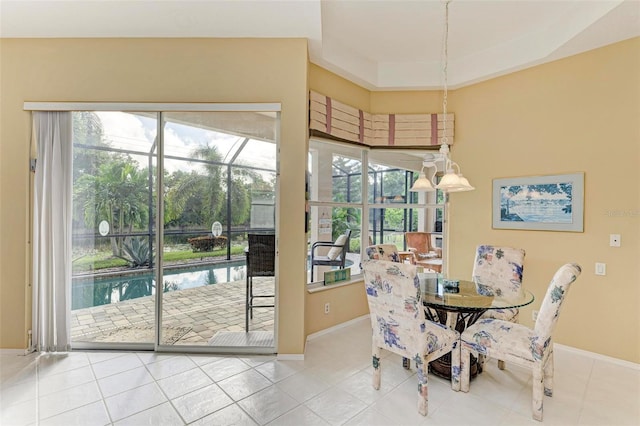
{"x": 580, "y": 114}
{"x": 150, "y": 70}
{"x": 345, "y": 303}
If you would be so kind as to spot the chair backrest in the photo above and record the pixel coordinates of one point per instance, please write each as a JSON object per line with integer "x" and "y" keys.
{"x": 340, "y": 252}
{"x": 551, "y": 304}
{"x": 395, "y": 305}
{"x": 497, "y": 271}
{"x": 382, "y": 252}
{"x": 261, "y": 255}
{"x": 421, "y": 241}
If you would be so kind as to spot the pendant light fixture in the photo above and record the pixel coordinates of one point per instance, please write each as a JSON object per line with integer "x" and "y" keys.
{"x": 453, "y": 180}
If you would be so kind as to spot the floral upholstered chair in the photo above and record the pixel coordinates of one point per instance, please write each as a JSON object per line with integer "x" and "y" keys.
{"x": 531, "y": 348}
{"x": 383, "y": 252}
{"x": 399, "y": 324}
{"x": 497, "y": 271}
{"x": 387, "y": 252}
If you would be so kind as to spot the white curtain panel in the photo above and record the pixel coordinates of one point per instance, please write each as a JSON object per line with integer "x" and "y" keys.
{"x": 52, "y": 232}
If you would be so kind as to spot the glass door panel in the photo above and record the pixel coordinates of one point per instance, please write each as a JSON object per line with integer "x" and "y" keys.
{"x": 218, "y": 185}
{"x": 113, "y": 274}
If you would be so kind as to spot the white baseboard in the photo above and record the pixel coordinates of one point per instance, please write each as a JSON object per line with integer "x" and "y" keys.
{"x": 597, "y": 356}
{"x": 336, "y": 327}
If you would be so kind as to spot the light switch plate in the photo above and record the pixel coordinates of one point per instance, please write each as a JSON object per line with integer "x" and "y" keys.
{"x": 601, "y": 268}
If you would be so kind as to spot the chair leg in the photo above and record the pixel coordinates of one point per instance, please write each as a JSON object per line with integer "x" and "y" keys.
{"x": 423, "y": 389}
{"x": 548, "y": 375}
{"x": 465, "y": 371}
{"x": 376, "y": 366}
{"x": 536, "y": 404}
{"x": 251, "y": 297}
{"x": 455, "y": 366}
{"x": 246, "y": 307}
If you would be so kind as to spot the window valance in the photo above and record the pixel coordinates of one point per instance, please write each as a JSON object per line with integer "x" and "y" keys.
{"x": 345, "y": 122}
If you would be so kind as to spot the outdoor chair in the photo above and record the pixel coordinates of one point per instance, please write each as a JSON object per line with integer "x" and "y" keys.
{"x": 400, "y": 326}
{"x": 530, "y": 348}
{"x": 337, "y": 254}
{"x": 260, "y": 258}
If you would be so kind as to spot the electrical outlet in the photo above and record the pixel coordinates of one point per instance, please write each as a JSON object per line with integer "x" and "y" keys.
{"x": 327, "y": 308}
{"x": 534, "y": 315}
{"x": 614, "y": 240}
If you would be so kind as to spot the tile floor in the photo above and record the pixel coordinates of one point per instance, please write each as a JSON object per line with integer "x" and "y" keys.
{"x": 332, "y": 386}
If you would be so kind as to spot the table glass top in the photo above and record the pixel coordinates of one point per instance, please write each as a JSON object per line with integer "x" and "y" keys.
{"x": 435, "y": 294}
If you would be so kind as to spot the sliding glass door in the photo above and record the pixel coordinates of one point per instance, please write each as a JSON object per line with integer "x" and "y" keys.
{"x": 217, "y": 174}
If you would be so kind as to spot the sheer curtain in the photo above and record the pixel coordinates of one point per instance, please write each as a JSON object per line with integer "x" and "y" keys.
{"x": 52, "y": 231}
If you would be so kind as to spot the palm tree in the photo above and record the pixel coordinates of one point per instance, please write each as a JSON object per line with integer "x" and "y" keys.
{"x": 117, "y": 193}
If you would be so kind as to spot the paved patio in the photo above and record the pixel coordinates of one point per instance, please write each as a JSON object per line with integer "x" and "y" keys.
{"x": 190, "y": 317}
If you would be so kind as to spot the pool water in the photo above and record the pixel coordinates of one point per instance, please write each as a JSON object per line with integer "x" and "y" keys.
{"x": 93, "y": 291}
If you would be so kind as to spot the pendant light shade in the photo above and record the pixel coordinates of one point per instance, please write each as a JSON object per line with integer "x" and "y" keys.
{"x": 422, "y": 184}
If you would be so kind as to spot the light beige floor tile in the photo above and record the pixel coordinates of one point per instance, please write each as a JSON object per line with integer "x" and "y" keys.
{"x": 160, "y": 415}
{"x": 224, "y": 368}
{"x": 75, "y": 397}
{"x": 134, "y": 401}
{"x": 114, "y": 384}
{"x": 267, "y": 405}
{"x": 170, "y": 366}
{"x": 185, "y": 382}
{"x": 23, "y": 413}
{"x": 279, "y": 370}
{"x": 59, "y": 382}
{"x": 336, "y": 406}
{"x": 230, "y": 415}
{"x": 300, "y": 415}
{"x": 201, "y": 403}
{"x": 60, "y": 362}
{"x": 303, "y": 386}
{"x": 371, "y": 417}
{"x": 94, "y": 414}
{"x": 244, "y": 384}
{"x": 116, "y": 365}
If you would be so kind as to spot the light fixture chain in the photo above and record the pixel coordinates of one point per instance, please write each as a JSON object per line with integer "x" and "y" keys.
{"x": 445, "y": 54}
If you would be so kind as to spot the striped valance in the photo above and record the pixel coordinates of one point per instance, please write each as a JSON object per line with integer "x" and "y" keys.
{"x": 351, "y": 124}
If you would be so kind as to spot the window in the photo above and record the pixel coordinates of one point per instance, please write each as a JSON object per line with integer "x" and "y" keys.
{"x": 384, "y": 215}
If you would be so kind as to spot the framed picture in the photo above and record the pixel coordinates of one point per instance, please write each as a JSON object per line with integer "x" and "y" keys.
{"x": 542, "y": 203}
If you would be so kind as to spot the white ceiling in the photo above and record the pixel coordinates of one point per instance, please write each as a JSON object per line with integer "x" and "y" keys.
{"x": 381, "y": 45}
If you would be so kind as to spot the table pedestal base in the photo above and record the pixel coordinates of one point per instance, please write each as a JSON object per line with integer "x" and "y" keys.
{"x": 458, "y": 320}
{"x": 441, "y": 367}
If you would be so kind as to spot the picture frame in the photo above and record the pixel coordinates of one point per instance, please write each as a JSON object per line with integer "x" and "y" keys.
{"x": 540, "y": 203}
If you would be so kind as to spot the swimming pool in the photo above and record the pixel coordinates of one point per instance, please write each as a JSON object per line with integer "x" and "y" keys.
{"x": 89, "y": 291}
{"x": 92, "y": 291}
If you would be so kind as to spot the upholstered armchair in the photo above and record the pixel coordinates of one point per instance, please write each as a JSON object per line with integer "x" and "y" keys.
{"x": 400, "y": 326}
{"x": 531, "y": 348}
{"x": 424, "y": 252}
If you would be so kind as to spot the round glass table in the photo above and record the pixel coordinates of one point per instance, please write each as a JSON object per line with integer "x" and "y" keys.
{"x": 457, "y": 304}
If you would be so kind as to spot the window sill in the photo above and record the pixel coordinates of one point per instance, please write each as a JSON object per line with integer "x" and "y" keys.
{"x": 319, "y": 286}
